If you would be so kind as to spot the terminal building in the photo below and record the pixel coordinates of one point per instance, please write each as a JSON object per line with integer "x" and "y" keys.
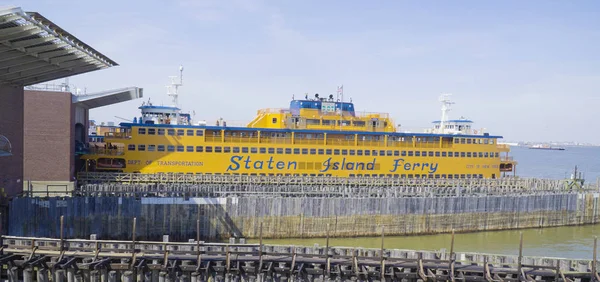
{"x": 41, "y": 126}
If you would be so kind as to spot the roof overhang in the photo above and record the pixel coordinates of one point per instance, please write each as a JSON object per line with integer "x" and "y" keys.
{"x": 34, "y": 50}
{"x": 108, "y": 97}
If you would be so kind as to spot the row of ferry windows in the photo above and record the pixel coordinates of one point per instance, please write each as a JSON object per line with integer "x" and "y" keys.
{"x": 172, "y": 132}
{"x": 298, "y": 151}
{"x": 436, "y": 176}
{"x": 190, "y": 132}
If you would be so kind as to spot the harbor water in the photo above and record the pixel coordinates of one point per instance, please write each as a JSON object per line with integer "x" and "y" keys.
{"x": 568, "y": 241}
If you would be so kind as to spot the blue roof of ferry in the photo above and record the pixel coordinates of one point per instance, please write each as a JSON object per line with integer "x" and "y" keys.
{"x": 158, "y": 107}
{"x": 455, "y": 120}
{"x": 127, "y": 124}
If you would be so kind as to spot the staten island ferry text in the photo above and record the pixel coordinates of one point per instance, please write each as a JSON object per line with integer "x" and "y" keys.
{"x": 246, "y": 162}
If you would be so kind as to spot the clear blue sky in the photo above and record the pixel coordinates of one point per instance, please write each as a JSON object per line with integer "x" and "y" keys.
{"x": 527, "y": 70}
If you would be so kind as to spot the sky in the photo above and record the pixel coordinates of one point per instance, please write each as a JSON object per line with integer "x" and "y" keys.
{"x": 526, "y": 70}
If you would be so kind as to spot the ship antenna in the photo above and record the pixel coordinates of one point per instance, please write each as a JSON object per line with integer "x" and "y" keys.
{"x": 172, "y": 90}
{"x": 445, "y": 99}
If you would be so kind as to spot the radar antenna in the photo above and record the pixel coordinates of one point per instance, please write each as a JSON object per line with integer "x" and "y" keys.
{"x": 172, "y": 89}
{"x": 446, "y": 107}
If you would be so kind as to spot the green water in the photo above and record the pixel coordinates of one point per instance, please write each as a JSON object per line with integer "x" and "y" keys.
{"x": 575, "y": 242}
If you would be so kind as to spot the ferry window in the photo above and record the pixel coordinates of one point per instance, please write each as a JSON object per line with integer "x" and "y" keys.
{"x": 236, "y": 149}
{"x": 190, "y": 132}
{"x": 199, "y": 149}
{"x": 481, "y": 154}
{"x": 151, "y": 131}
{"x": 417, "y": 154}
{"x": 336, "y": 151}
{"x": 437, "y": 154}
{"x": 403, "y": 153}
{"x": 462, "y": 140}
{"x": 344, "y": 152}
{"x": 352, "y": 152}
{"x": 431, "y": 154}
{"x": 226, "y": 149}
{"x": 410, "y": 176}
{"x": 171, "y": 131}
{"x": 474, "y": 154}
{"x": 367, "y": 152}
{"x": 296, "y": 151}
{"x": 161, "y": 131}
{"x": 456, "y": 140}
{"x": 396, "y": 153}
{"x": 279, "y": 150}
{"x": 437, "y": 176}
{"x": 262, "y": 150}
{"x": 497, "y": 155}
{"x": 313, "y": 151}
{"x": 199, "y": 132}
{"x": 189, "y": 149}
{"x": 463, "y": 154}
{"x": 274, "y": 120}
{"x": 410, "y": 153}
{"x": 462, "y": 176}
{"x": 131, "y": 147}
{"x": 359, "y": 152}
{"x": 389, "y": 153}
{"x": 321, "y": 151}
{"x": 486, "y": 141}
{"x": 305, "y": 151}
{"x": 179, "y": 132}
{"x": 179, "y": 148}
{"x": 218, "y": 149}
{"x": 382, "y": 153}
{"x": 455, "y": 154}
{"x": 443, "y": 154}
{"x": 469, "y": 141}
{"x": 171, "y": 148}
{"x": 328, "y": 152}
{"x": 151, "y": 148}
{"x": 288, "y": 151}
{"x": 141, "y": 147}
{"x": 492, "y": 141}
{"x": 450, "y": 176}
{"x": 468, "y": 154}
{"x": 245, "y": 150}
{"x": 374, "y": 153}
{"x": 141, "y": 131}
{"x": 271, "y": 151}
{"x": 161, "y": 148}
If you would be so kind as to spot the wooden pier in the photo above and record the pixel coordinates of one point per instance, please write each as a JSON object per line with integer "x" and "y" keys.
{"x": 31, "y": 259}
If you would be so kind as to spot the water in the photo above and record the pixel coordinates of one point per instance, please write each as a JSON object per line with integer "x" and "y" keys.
{"x": 557, "y": 164}
{"x": 574, "y": 242}
{"x": 569, "y": 241}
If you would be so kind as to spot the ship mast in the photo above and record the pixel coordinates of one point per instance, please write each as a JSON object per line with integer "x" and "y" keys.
{"x": 340, "y": 92}
{"x": 445, "y": 99}
{"x": 172, "y": 90}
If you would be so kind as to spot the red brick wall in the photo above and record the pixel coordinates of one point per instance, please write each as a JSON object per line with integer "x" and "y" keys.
{"x": 11, "y": 126}
{"x": 48, "y": 136}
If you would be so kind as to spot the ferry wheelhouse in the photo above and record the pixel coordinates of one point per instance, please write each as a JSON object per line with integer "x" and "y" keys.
{"x": 314, "y": 136}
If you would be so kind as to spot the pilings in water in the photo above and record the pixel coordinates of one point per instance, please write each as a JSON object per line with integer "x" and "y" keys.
{"x": 30, "y": 259}
{"x": 297, "y": 217}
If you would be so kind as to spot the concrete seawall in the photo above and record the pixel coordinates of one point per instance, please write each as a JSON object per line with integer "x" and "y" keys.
{"x": 111, "y": 217}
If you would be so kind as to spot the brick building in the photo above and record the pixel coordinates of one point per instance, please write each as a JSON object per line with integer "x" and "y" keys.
{"x": 43, "y": 126}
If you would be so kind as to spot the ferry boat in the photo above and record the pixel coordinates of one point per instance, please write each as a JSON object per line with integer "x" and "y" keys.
{"x": 546, "y": 147}
{"x": 314, "y": 136}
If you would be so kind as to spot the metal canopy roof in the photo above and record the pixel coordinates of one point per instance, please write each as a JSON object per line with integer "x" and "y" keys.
{"x": 108, "y": 97}
{"x": 35, "y": 50}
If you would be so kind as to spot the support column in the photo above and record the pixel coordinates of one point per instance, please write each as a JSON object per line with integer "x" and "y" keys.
{"x": 12, "y": 127}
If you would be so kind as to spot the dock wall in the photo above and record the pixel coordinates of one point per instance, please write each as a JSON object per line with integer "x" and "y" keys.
{"x": 111, "y": 217}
